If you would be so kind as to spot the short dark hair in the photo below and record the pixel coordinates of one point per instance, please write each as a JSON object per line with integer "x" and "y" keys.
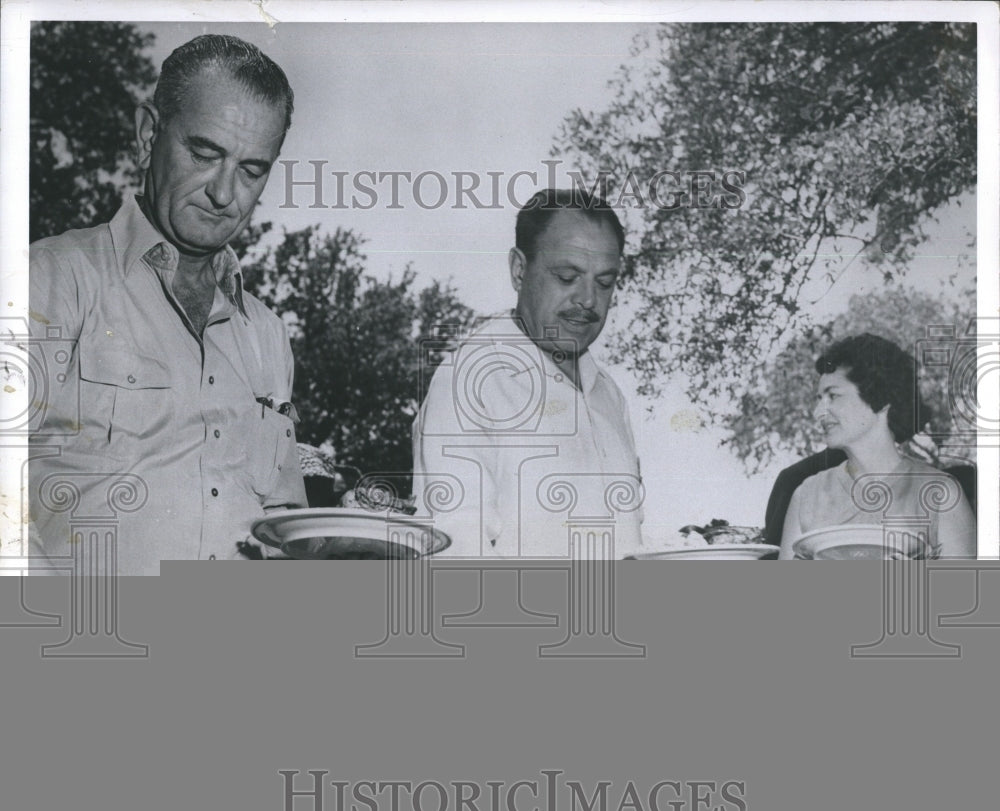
{"x": 885, "y": 375}
{"x": 534, "y": 216}
{"x": 246, "y": 63}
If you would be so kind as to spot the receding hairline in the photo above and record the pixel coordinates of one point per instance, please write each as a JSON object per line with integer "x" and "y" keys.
{"x": 587, "y": 216}
{"x": 215, "y": 72}
{"x": 535, "y": 217}
{"x": 598, "y": 224}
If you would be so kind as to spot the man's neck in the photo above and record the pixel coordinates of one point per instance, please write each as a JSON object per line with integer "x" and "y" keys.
{"x": 566, "y": 363}
{"x": 196, "y": 295}
{"x": 196, "y": 269}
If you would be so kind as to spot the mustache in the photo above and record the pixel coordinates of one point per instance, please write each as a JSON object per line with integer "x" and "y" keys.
{"x": 580, "y": 315}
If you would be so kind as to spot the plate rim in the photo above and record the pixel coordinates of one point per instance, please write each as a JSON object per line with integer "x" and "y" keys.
{"x": 827, "y": 528}
{"x": 798, "y": 541}
{"x": 260, "y": 529}
{"x": 769, "y": 548}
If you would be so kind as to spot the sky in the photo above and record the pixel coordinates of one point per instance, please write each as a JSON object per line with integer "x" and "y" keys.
{"x": 426, "y": 98}
{"x": 473, "y": 98}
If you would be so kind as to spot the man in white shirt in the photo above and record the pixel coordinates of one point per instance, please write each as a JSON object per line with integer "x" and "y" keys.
{"x": 523, "y": 446}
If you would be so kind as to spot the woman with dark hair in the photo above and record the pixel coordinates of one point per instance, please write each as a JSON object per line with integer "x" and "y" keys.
{"x": 867, "y": 403}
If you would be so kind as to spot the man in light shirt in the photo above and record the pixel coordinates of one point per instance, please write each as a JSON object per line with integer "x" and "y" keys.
{"x": 527, "y": 432}
{"x": 167, "y": 418}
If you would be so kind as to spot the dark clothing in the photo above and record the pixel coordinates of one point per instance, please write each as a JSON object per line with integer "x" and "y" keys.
{"x": 787, "y": 482}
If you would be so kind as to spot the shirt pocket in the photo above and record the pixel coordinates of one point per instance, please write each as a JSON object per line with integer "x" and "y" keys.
{"x": 130, "y": 393}
{"x": 270, "y": 449}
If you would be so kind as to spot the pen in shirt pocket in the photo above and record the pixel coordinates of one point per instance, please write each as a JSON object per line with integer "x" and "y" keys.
{"x": 286, "y": 408}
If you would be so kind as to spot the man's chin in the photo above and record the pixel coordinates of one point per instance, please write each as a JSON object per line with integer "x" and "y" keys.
{"x": 202, "y": 244}
{"x": 563, "y": 347}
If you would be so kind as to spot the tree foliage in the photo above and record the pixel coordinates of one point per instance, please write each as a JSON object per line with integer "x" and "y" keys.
{"x": 778, "y": 414}
{"x": 86, "y": 79}
{"x": 356, "y": 341}
{"x": 849, "y": 135}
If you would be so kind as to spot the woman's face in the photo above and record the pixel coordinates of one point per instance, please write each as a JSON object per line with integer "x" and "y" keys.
{"x": 846, "y": 419}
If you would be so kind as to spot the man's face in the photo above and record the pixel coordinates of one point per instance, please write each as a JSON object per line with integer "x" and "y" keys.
{"x": 846, "y": 419}
{"x": 564, "y": 291}
{"x": 207, "y": 165}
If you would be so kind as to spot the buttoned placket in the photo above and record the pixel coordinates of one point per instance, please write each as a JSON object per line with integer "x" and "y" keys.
{"x": 223, "y": 308}
{"x": 164, "y": 260}
{"x": 582, "y": 394}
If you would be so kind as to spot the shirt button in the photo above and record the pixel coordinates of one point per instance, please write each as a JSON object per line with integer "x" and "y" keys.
{"x": 217, "y": 433}
{"x": 211, "y": 379}
{"x": 211, "y": 557}
{"x": 288, "y": 432}
{"x": 131, "y": 378}
{"x": 215, "y": 491}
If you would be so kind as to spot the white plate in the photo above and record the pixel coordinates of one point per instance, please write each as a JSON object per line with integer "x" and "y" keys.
{"x": 860, "y": 542}
{"x": 735, "y": 551}
{"x": 329, "y": 533}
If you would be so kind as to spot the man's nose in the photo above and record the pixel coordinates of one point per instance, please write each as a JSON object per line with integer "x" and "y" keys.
{"x": 586, "y": 295}
{"x": 220, "y": 188}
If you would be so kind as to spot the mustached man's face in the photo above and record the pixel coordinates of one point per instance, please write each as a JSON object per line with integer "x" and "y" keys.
{"x": 565, "y": 290}
{"x": 207, "y": 165}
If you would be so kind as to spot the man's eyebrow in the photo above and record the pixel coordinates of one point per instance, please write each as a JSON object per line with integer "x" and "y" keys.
{"x": 204, "y": 143}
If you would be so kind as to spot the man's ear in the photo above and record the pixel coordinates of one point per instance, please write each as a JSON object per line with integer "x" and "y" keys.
{"x": 147, "y": 124}
{"x": 517, "y": 262}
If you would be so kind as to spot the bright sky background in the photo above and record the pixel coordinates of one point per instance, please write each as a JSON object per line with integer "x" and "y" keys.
{"x": 478, "y": 98}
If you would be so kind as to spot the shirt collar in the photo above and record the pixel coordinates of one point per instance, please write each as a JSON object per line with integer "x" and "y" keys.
{"x": 134, "y": 239}
{"x": 505, "y": 325}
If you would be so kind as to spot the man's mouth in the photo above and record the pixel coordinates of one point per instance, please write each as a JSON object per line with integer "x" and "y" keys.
{"x": 580, "y": 319}
{"x": 215, "y": 215}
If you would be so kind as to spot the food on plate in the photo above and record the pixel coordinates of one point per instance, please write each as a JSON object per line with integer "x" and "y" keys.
{"x": 719, "y": 532}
